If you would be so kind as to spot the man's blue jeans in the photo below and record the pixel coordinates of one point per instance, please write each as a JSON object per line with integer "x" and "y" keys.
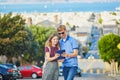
{"x": 69, "y": 72}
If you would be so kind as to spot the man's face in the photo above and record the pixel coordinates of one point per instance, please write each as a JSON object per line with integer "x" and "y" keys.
{"x": 62, "y": 34}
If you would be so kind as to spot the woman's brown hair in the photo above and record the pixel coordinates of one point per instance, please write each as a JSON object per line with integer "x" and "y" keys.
{"x": 49, "y": 43}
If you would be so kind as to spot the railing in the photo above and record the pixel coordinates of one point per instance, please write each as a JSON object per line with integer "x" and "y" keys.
{"x": 93, "y": 66}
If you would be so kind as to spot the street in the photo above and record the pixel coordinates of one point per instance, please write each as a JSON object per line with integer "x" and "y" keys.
{"x": 100, "y": 77}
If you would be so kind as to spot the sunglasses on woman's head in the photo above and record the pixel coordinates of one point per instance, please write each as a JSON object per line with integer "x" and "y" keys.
{"x": 61, "y": 33}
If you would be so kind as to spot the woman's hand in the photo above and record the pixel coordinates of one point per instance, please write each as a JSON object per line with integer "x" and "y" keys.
{"x": 57, "y": 55}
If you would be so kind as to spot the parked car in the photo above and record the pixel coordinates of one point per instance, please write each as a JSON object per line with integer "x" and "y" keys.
{"x": 15, "y": 70}
{"x": 7, "y": 73}
{"x": 61, "y": 71}
{"x": 30, "y": 71}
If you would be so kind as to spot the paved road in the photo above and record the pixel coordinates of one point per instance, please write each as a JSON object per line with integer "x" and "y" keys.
{"x": 85, "y": 78}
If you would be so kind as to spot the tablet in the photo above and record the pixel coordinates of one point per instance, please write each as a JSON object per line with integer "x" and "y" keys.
{"x": 60, "y": 52}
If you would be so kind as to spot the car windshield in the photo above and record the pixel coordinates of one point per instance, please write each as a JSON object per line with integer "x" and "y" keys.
{"x": 36, "y": 66}
{"x": 4, "y": 66}
{"x": 10, "y": 65}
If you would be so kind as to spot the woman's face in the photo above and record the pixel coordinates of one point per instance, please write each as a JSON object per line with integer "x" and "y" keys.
{"x": 54, "y": 40}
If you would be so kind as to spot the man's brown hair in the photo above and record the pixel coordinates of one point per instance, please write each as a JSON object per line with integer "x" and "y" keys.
{"x": 61, "y": 27}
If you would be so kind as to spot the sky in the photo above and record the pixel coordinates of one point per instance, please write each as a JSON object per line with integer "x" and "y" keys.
{"x": 36, "y": 1}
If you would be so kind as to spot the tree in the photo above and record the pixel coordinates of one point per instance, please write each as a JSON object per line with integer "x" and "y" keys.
{"x": 107, "y": 46}
{"x": 40, "y": 35}
{"x": 100, "y": 22}
{"x": 11, "y": 32}
{"x": 85, "y": 49}
{"x": 16, "y": 39}
{"x": 29, "y": 47}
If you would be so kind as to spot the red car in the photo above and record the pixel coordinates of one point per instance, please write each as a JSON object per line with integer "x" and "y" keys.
{"x": 30, "y": 71}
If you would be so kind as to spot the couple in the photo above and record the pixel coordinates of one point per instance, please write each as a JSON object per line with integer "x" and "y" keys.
{"x": 70, "y": 63}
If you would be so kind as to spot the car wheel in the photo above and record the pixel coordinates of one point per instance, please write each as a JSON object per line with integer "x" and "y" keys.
{"x": 34, "y": 75}
{"x": 1, "y": 77}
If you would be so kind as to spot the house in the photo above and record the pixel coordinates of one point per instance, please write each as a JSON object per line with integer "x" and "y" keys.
{"x": 47, "y": 23}
{"x": 110, "y": 29}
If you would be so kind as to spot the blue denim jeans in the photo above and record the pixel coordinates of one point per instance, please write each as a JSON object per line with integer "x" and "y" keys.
{"x": 69, "y": 72}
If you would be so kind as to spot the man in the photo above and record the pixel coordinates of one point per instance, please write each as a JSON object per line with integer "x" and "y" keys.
{"x": 70, "y": 45}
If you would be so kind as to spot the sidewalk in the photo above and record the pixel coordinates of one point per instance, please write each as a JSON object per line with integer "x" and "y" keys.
{"x": 117, "y": 78}
{"x": 99, "y": 77}
{"x": 96, "y": 78}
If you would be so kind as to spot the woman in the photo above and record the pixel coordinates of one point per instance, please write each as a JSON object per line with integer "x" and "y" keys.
{"x": 51, "y": 70}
